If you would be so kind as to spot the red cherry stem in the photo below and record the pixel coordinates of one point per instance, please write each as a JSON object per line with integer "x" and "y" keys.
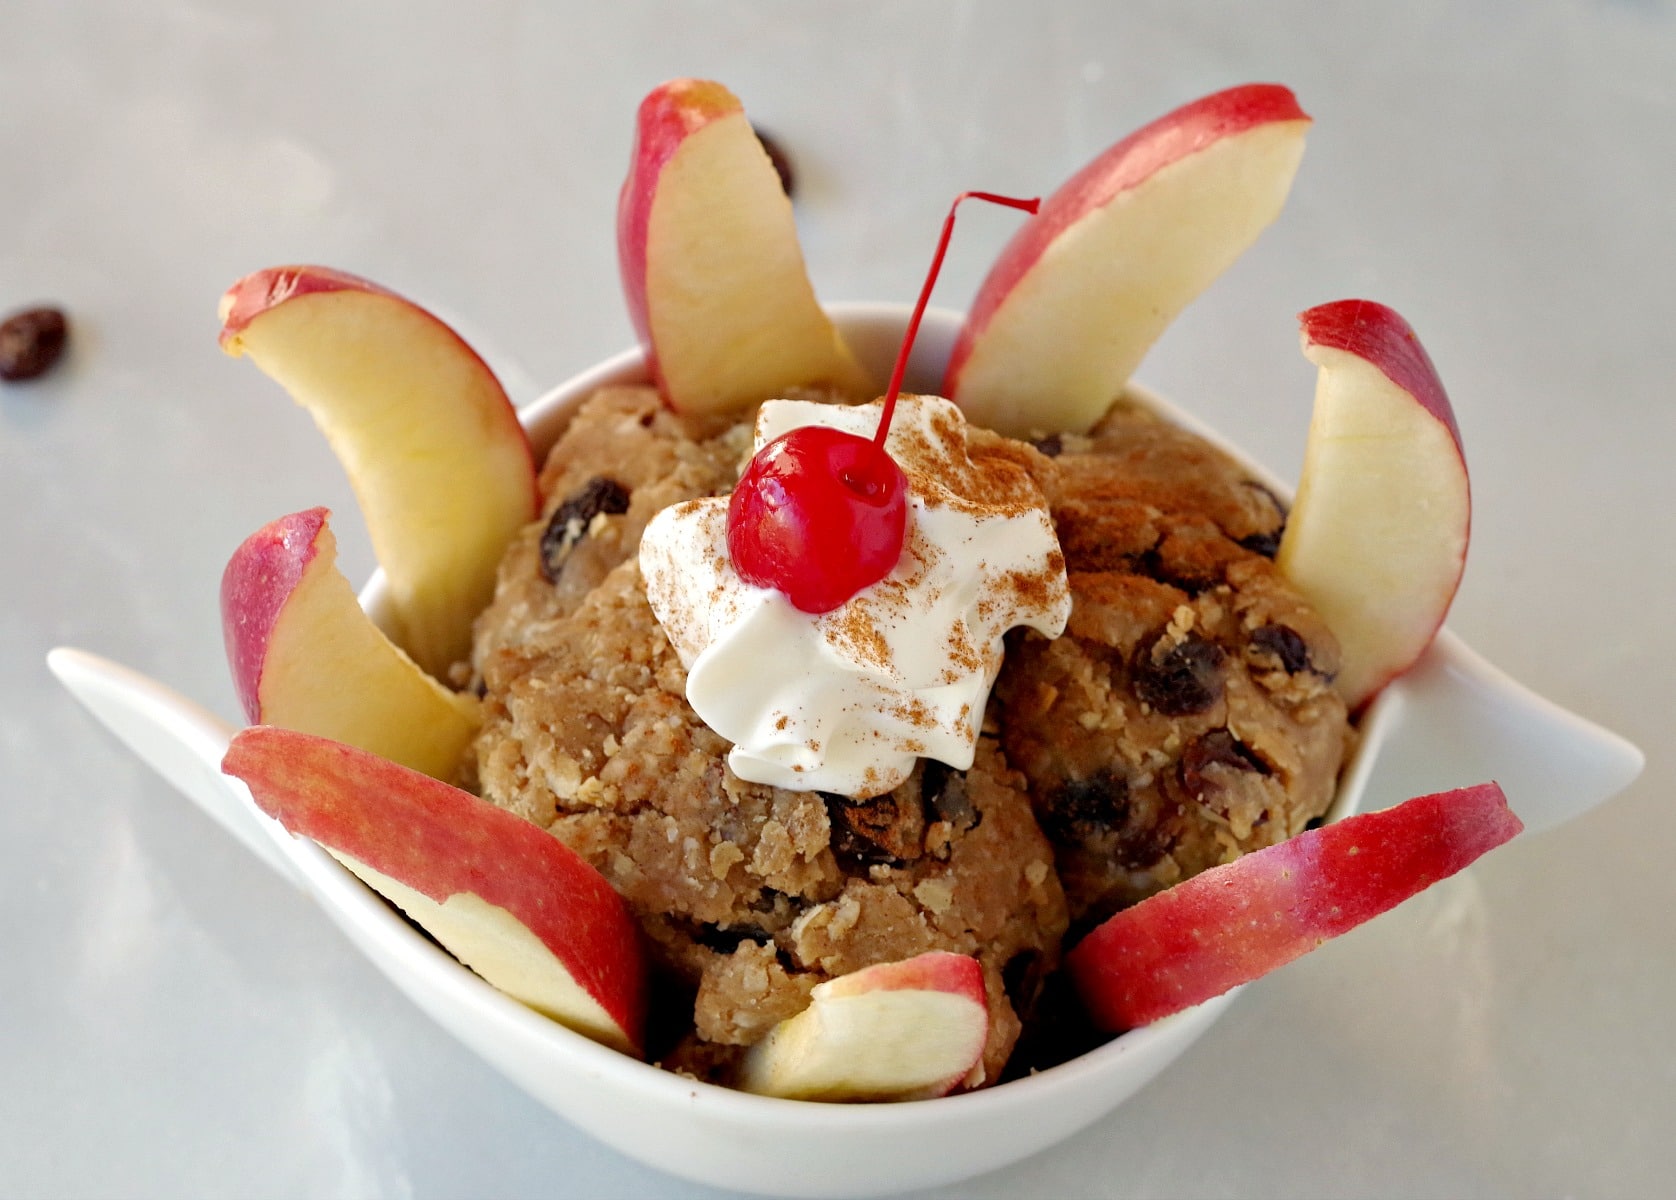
{"x": 1029, "y": 206}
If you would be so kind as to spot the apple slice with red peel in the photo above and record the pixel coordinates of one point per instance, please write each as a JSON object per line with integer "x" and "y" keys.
{"x": 1377, "y": 537}
{"x": 303, "y": 654}
{"x": 1233, "y": 923}
{"x": 1082, "y": 291}
{"x": 505, "y": 897}
{"x": 711, "y": 264}
{"x": 433, "y": 448}
{"x": 906, "y": 1030}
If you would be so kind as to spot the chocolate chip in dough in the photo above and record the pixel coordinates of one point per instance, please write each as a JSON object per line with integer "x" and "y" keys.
{"x": 875, "y": 830}
{"x": 782, "y": 164}
{"x": 1266, "y": 542}
{"x": 570, "y": 520}
{"x": 942, "y": 791}
{"x": 1286, "y": 644}
{"x": 725, "y": 939}
{"x": 1081, "y": 808}
{"x": 1183, "y": 679}
{"x": 1023, "y": 977}
{"x": 31, "y": 342}
{"x": 1215, "y": 748}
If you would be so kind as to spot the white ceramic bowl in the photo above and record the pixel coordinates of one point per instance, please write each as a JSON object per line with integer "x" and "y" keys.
{"x": 1453, "y": 720}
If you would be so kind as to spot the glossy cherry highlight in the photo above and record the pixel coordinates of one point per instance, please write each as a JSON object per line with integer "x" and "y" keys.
{"x": 820, "y": 514}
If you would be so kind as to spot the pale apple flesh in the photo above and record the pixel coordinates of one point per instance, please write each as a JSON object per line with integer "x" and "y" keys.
{"x": 505, "y": 897}
{"x": 907, "y": 1030}
{"x": 1377, "y": 537}
{"x": 710, "y": 261}
{"x": 1237, "y": 922}
{"x": 1083, "y": 290}
{"x": 305, "y": 656}
{"x": 503, "y": 950}
{"x": 433, "y": 448}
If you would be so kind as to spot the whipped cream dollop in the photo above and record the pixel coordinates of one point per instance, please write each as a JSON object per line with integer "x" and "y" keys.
{"x": 845, "y": 701}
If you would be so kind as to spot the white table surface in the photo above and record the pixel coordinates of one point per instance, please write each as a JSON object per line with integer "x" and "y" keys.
{"x": 175, "y": 1021}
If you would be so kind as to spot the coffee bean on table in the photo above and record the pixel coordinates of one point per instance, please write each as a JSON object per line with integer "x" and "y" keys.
{"x": 31, "y": 341}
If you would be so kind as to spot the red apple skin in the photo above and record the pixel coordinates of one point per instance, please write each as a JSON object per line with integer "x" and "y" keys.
{"x": 304, "y": 655}
{"x": 852, "y": 1044}
{"x": 1379, "y": 337}
{"x": 933, "y": 971}
{"x": 258, "y": 582}
{"x": 1131, "y": 161}
{"x": 270, "y": 287}
{"x": 1370, "y": 330}
{"x": 432, "y": 445}
{"x": 439, "y": 841}
{"x": 714, "y": 277}
{"x": 668, "y": 115}
{"x": 1234, "y": 923}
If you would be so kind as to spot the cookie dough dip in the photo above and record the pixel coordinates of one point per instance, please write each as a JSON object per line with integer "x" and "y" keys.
{"x": 835, "y": 743}
{"x": 752, "y": 894}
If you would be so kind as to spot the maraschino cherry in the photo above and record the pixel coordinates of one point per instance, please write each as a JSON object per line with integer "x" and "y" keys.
{"x": 820, "y": 514}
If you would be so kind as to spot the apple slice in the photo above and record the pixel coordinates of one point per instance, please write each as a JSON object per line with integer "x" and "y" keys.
{"x": 505, "y": 897}
{"x": 906, "y": 1030}
{"x": 1083, "y": 290}
{"x": 711, "y": 264}
{"x": 1377, "y": 537}
{"x": 433, "y": 448}
{"x": 303, "y": 654}
{"x": 1230, "y": 924}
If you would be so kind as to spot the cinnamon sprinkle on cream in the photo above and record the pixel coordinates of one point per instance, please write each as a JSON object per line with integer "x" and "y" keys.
{"x": 846, "y": 701}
